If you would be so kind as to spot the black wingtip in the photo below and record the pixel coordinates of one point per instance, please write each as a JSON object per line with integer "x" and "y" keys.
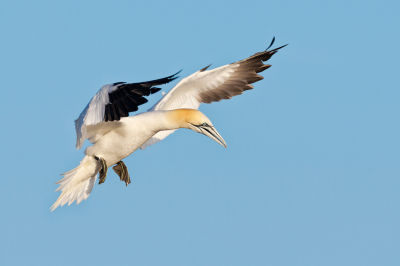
{"x": 205, "y": 68}
{"x": 276, "y": 49}
{"x": 272, "y": 42}
{"x": 154, "y": 90}
{"x": 174, "y": 76}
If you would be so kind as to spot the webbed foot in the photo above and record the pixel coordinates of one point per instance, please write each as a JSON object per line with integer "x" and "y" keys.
{"x": 103, "y": 170}
{"x": 121, "y": 170}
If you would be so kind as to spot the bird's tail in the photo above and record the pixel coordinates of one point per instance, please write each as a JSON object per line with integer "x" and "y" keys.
{"x": 77, "y": 183}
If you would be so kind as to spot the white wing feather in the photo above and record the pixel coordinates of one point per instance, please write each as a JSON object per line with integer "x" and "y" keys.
{"x": 92, "y": 114}
{"x": 185, "y": 94}
{"x": 206, "y": 86}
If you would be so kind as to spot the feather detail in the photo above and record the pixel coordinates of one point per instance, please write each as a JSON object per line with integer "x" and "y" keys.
{"x": 207, "y": 86}
{"x": 77, "y": 184}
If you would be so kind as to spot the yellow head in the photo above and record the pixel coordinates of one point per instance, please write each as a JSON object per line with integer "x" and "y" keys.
{"x": 196, "y": 121}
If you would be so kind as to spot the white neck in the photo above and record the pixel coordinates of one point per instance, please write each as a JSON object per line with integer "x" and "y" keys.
{"x": 156, "y": 121}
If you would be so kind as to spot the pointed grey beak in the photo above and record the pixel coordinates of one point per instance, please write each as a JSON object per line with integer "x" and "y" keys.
{"x": 213, "y": 133}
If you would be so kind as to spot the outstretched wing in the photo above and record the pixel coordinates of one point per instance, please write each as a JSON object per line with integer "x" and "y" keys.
{"x": 112, "y": 102}
{"x": 206, "y": 86}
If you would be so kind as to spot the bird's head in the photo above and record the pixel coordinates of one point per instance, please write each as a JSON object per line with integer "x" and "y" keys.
{"x": 198, "y": 122}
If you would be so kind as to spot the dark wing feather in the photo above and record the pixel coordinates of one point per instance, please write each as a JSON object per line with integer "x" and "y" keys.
{"x": 128, "y": 96}
{"x": 240, "y": 80}
{"x": 206, "y": 86}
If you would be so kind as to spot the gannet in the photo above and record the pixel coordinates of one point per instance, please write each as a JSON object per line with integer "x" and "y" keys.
{"x": 106, "y": 123}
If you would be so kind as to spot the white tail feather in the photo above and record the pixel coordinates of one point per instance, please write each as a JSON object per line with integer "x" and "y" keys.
{"x": 77, "y": 183}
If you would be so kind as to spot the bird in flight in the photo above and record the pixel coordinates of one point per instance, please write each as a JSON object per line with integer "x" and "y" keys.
{"x": 115, "y": 135}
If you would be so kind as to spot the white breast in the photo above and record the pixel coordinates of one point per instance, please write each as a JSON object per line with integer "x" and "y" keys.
{"x": 124, "y": 140}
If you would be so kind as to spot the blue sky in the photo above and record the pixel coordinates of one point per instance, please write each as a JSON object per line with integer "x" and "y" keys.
{"x": 311, "y": 172}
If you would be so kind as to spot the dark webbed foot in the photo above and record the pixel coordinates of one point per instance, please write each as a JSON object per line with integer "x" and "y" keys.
{"x": 122, "y": 171}
{"x": 103, "y": 170}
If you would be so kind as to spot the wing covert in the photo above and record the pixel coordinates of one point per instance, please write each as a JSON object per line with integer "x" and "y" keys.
{"x": 112, "y": 102}
{"x": 206, "y": 86}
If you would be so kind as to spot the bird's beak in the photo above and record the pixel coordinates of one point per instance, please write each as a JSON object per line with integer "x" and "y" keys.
{"x": 213, "y": 133}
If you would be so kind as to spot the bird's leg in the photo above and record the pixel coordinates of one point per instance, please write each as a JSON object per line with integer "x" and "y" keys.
{"x": 103, "y": 170}
{"x": 122, "y": 171}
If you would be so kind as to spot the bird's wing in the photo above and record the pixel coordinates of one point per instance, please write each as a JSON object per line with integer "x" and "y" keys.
{"x": 206, "y": 86}
{"x": 110, "y": 103}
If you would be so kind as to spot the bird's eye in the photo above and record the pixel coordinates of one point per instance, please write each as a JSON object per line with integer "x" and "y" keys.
{"x": 204, "y": 124}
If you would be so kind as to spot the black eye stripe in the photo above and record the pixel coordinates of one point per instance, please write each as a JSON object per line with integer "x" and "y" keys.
{"x": 202, "y": 125}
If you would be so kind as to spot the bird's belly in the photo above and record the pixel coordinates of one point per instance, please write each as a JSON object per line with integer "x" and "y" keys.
{"x": 118, "y": 144}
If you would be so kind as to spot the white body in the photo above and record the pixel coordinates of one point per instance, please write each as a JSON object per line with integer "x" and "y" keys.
{"x": 128, "y": 136}
{"x": 118, "y": 141}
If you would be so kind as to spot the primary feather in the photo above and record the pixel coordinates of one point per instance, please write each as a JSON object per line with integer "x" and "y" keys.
{"x": 206, "y": 86}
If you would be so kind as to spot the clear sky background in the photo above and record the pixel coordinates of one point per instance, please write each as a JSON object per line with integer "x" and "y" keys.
{"x": 311, "y": 172}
